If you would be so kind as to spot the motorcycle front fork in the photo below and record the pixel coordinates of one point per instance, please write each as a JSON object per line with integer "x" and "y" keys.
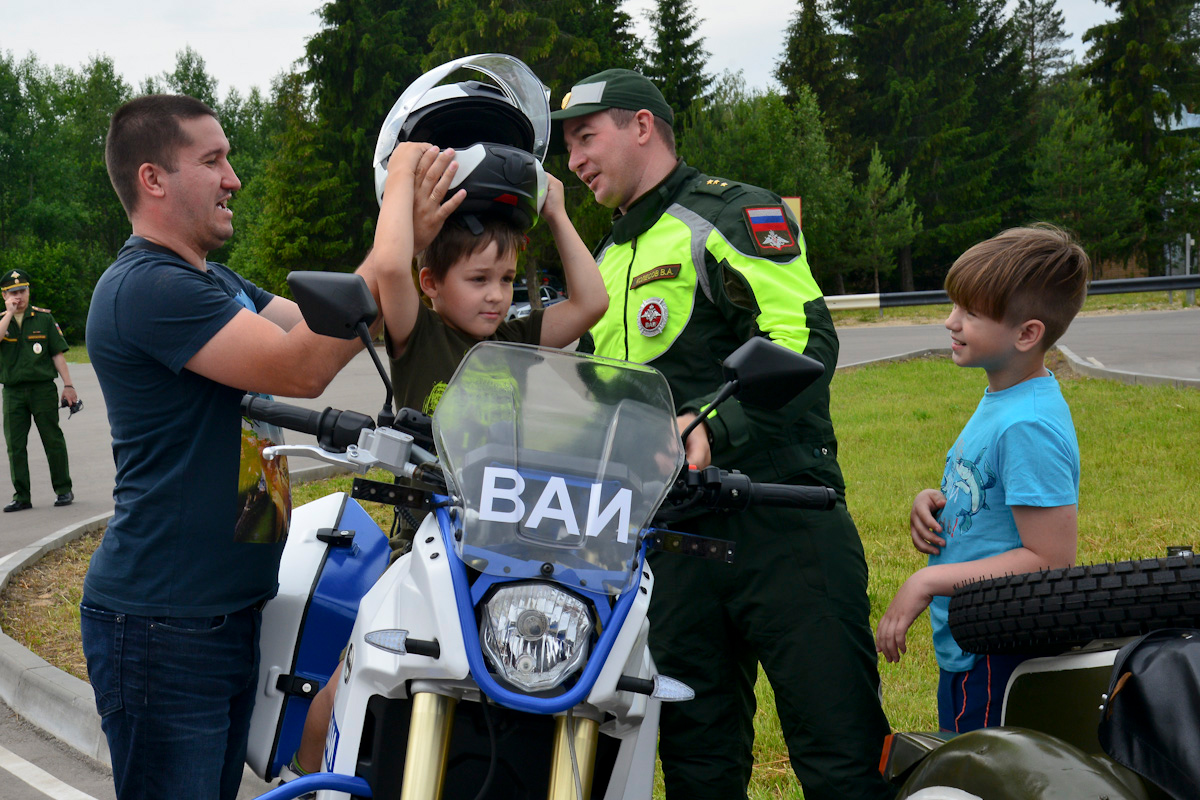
{"x": 575, "y": 741}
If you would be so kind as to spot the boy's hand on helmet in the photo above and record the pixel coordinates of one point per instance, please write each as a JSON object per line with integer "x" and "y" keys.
{"x": 434, "y": 172}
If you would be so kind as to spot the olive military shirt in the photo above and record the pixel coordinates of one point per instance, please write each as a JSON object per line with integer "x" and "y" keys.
{"x": 27, "y": 350}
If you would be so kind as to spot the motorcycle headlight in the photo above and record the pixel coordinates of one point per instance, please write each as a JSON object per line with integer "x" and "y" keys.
{"x": 535, "y": 634}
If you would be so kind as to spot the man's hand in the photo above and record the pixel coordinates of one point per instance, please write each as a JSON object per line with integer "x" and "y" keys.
{"x": 434, "y": 172}
{"x": 698, "y": 452}
{"x": 923, "y": 524}
{"x": 69, "y": 397}
{"x": 10, "y": 303}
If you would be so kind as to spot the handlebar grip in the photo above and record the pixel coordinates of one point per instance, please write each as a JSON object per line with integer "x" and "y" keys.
{"x": 820, "y": 498}
{"x": 335, "y": 430}
{"x": 294, "y": 418}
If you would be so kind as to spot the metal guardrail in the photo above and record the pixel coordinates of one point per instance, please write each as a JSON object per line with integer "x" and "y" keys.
{"x": 936, "y": 296}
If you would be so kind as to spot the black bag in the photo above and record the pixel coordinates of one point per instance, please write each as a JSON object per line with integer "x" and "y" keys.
{"x": 1150, "y": 720}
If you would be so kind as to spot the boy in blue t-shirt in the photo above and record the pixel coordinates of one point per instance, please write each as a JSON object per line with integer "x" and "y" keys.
{"x": 1010, "y": 488}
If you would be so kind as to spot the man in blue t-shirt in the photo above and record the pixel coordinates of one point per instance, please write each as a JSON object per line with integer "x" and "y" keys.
{"x": 170, "y": 612}
{"x": 1010, "y": 490}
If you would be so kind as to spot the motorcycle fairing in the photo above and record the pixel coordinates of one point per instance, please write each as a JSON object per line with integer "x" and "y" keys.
{"x": 307, "y": 623}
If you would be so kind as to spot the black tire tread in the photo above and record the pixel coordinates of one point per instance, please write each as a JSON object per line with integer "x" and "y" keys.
{"x": 1041, "y": 613}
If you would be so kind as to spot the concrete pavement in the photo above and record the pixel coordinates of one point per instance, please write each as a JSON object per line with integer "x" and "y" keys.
{"x": 1145, "y": 347}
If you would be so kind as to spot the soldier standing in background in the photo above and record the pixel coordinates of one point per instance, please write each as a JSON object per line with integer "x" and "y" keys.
{"x": 31, "y": 355}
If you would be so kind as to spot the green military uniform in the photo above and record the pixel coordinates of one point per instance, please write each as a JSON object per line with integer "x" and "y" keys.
{"x": 695, "y": 268}
{"x": 27, "y": 371}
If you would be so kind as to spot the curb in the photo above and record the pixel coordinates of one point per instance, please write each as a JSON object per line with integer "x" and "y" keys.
{"x": 61, "y": 704}
{"x": 1135, "y": 378}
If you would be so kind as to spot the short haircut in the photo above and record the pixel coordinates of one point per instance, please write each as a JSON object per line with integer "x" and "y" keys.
{"x": 145, "y": 130}
{"x": 621, "y": 117}
{"x": 455, "y": 242}
{"x": 1039, "y": 272}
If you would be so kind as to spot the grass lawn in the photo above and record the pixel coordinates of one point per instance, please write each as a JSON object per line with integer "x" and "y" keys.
{"x": 1139, "y": 495}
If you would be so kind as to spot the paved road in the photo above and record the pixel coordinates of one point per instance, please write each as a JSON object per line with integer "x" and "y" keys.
{"x": 1158, "y": 343}
{"x": 1152, "y": 343}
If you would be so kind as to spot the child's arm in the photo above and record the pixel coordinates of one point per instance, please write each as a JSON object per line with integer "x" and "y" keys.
{"x": 922, "y": 521}
{"x": 1049, "y": 537}
{"x": 587, "y": 299}
{"x": 410, "y": 217}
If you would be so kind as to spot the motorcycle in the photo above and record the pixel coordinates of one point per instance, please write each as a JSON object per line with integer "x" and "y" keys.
{"x": 505, "y": 654}
{"x": 1109, "y": 707}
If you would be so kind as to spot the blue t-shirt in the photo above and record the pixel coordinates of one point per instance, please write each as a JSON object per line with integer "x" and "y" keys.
{"x": 179, "y": 542}
{"x": 1018, "y": 449}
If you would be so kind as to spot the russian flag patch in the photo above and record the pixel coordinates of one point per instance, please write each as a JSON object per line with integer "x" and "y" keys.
{"x": 769, "y": 229}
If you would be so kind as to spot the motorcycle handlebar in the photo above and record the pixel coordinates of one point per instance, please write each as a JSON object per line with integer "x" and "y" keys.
{"x": 821, "y": 498}
{"x": 334, "y": 429}
{"x": 714, "y": 488}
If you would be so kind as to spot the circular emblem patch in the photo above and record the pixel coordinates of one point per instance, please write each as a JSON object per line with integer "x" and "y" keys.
{"x": 37, "y": 347}
{"x": 652, "y": 317}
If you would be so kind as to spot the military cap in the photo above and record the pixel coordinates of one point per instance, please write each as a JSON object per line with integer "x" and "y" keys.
{"x": 614, "y": 88}
{"x": 14, "y": 279}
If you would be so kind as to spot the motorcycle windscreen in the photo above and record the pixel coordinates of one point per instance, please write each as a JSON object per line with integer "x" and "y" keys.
{"x": 558, "y": 461}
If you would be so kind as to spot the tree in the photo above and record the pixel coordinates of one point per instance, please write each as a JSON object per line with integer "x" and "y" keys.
{"x": 1145, "y": 67}
{"x": 757, "y": 138}
{"x": 191, "y": 77}
{"x": 677, "y": 55}
{"x": 301, "y": 208}
{"x": 1039, "y": 29}
{"x": 1084, "y": 180}
{"x": 87, "y": 102}
{"x": 931, "y": 87}
{"x": 881, "y": 220}
{"x": 812, "y": 57}
{"x": 16, "y": 130}
{"x": 357, "y": 65}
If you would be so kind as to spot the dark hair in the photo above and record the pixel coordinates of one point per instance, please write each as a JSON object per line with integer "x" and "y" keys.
{"x": 621, "y": 117}
{"x": 1039, "y": 272}
{"x": 147, "y": 130}
{"x": 455, "y": 242}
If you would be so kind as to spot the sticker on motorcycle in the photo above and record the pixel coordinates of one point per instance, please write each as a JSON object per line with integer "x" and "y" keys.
{"x": 508, "y": 497}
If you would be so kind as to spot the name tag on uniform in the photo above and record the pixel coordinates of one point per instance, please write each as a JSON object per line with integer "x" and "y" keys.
{"x": 656, "y": 274}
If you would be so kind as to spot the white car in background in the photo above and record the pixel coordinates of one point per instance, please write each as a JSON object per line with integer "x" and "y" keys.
{"x": 520, "y": 307}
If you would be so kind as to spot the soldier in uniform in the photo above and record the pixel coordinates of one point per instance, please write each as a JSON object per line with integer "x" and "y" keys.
{"x": 31, "y": 354}
{"x": 695, "y": 266}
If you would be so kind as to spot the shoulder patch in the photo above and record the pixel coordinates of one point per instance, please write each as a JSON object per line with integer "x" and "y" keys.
{"x": 43, "y": 310}
{"x": 716, "y": 186}
{"x": 769, "y": 229}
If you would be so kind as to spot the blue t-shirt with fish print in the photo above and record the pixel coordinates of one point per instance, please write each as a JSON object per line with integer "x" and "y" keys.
{"x": 1018, "y": 449}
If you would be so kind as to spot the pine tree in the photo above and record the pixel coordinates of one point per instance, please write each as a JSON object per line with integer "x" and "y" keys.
{"x": 1039, "y": 29}
{"x": 936, "y": 88}
{"x": 677, "y": 56}
{"x": 1083, "y": 179}
{"x": 357, "y": 65}
{"x": 812, "y": 57}
{"x": 1145, "y": 67}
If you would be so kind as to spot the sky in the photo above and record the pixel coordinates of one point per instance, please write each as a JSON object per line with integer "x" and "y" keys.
{"x": 246, "y": 43}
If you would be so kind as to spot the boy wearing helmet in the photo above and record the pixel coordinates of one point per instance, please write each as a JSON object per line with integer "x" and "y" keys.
{"x": 467, "y": 269}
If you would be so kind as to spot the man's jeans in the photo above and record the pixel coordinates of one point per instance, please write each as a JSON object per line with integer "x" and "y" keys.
{"x": 175, "y": 696}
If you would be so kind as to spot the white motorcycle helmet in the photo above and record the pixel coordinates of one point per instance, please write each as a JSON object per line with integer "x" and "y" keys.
{"x": 500, "y": 132}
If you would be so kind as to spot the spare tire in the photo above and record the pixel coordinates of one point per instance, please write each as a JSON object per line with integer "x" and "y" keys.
{"x": 1042, "y": 613}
